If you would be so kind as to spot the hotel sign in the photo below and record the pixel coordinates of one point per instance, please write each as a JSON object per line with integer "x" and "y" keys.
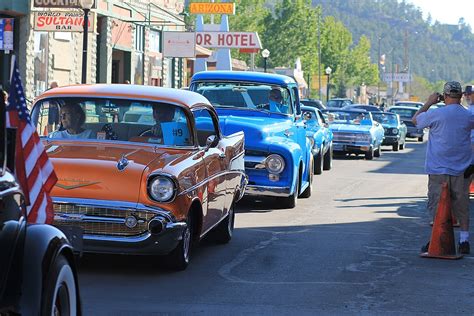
{"x": 228, "y": 40}
{"x": 212, "y": 8}
{"x": 65, "y": 4}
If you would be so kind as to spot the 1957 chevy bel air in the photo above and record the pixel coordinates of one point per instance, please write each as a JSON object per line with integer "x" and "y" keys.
{"x": 355, "y": 132}
{"x": 145, "y": 170}
{"x": 266, "y": 107}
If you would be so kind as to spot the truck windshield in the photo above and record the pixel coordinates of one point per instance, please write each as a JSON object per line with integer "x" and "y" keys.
{"x": 263, "y": 97}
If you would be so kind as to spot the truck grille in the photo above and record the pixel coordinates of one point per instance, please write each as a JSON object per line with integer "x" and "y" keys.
{"x": 344, "y": 138}
{"x": 101, "y": 220}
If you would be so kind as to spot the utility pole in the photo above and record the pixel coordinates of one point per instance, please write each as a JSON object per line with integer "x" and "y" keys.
{"x": 378, "y": 63}
{"x": 319, "y": 52}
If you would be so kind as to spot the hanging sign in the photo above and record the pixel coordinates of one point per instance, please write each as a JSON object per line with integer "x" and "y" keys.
{"x": 65, "y": 4}
{"x": 212, "y": 8}
{"x": 179, "y": 44}
{"x": 6, "y": 34}
{"x": 59, "y": 21}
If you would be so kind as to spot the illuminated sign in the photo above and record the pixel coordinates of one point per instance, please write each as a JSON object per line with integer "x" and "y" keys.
{"x": 212, "y": 8}
{"x": 66, "y": 4}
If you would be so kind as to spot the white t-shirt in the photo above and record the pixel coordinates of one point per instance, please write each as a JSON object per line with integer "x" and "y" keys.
{"x": 86, "y": 134}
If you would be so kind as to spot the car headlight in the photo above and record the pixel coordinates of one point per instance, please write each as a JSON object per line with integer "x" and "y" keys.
{"x": 161, "y": 188}
{"x": 395, "y": 131}
{"x": 275, "y": 163}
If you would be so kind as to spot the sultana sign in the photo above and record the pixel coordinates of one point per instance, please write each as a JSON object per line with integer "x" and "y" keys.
{"x": 212, "y": 8}
{"x": 58, "y": 21}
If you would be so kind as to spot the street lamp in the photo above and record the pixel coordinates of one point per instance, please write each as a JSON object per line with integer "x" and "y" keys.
{"x": 328, "y": 71}
{"x": 265, "y": 55}
{"x": 86, "y": 6}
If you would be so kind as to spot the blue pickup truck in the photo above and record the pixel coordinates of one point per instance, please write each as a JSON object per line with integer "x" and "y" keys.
{"x": 278, "y": 158}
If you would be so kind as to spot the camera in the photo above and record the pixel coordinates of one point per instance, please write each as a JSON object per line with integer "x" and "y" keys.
{"x": 440, "y": 97}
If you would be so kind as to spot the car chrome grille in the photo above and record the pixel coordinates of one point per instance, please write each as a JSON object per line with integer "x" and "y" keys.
{"x": 101, "y": 220}
{"x": 344, "y": 137}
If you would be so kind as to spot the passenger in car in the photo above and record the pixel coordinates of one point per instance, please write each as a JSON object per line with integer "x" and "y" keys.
{"x": 167, "y": 129}
{"x": 72, "y": 118}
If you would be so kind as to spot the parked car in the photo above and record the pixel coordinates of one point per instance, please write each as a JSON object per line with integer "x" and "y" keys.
{"x": 355, "y": 132}
{"x": 321, "y": 137}
{"x": 37, "y": 269}
{"x": 409, "y": 103}
{"x": 395, "y": 129}
{"x": 313, "y": 103}
{"x": 138, "y": 186}
{"x": 339, "y": 102}
{"x": 278, "y": 159}
{"x": 369, "y": 108}
{"x": 406, "y": 113}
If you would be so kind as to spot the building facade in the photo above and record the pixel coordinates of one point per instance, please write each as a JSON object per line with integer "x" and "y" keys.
{"x": 124, "y": 45}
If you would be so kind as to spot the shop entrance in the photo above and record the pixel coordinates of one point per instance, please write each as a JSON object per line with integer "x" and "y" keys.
{"x": 121, "y": 63}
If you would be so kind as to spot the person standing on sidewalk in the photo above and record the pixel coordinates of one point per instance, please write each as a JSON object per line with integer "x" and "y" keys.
{"x": 448, "y": 154}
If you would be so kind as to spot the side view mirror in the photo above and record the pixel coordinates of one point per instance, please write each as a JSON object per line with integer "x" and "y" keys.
{"x": 211, "y": 141}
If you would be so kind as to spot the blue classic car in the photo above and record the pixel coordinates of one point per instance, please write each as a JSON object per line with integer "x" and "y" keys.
{"x": 320, "y": 136}
{"x": 406, "y": 113}
{"x": 355, "y": 132}
{"x": 395, "y": 130}
{"x": 278, "y": 159}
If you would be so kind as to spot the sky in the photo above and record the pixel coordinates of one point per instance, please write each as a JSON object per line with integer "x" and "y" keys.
{"x": 447, "y": 14}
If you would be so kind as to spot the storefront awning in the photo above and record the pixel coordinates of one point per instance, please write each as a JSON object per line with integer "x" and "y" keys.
{"x": 202, "y": 52}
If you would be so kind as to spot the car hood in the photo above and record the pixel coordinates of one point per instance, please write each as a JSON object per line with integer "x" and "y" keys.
{"x": 348, "y": 128}
{"x": 256, "y": 127}
{"x": 92, "y": 171}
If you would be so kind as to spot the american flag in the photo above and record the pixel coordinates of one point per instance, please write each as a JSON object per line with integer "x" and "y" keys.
{"x": 33, "y": 169}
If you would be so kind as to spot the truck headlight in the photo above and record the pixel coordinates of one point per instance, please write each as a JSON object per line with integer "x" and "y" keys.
{"x": 275, "y": 163}
{"x": 161, "y": 188}
{"x": 395, "y": 131}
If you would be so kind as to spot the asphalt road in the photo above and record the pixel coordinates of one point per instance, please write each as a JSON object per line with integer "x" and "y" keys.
{"x": 352, "y": 248}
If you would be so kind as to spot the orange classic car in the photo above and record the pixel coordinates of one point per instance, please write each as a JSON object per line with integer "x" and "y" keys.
{"x": 142, "y": 170}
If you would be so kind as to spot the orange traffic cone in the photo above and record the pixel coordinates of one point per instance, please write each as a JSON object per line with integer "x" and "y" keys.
{"x": 442, "y": 244}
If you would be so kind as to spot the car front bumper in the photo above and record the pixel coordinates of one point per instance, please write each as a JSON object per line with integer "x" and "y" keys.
{"x": 273, "y": 191}
{"x": 351, "y": 148}
{"x": 391, "y": 140}
{"x": 105, "y": 230}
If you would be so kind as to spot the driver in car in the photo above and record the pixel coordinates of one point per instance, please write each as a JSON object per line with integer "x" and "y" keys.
{"x": 275, "y": 99}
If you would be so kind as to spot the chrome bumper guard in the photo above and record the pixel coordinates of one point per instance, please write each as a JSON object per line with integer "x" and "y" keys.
{"x": 259, "y": 190}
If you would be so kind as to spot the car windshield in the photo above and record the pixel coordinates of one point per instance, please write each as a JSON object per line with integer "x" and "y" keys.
{"x": 338, "y": 103}
{"x": 348, "y": 117}
{"x": 409, "y": 104}
{"x": 403, "y": 112}
{"x": 251, "y": 96}
{"x": 383, "y": 118}
{"x": 112, "y": 120}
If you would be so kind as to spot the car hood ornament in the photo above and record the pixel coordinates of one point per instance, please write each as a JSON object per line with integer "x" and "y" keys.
{"x": 122, "y": 163}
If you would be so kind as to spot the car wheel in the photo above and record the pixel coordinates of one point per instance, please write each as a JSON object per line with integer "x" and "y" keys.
{"x": 395, "y": 147}
{"x": 370, "y": 154}
{"x": 378, "y": 151}
{"x": 327, "y": 161}
{"x": 420, "y": 139}
{"x": 291, "y": 201}
{"x": 225, "y": 229}
{"x": 307, "y": 192}
{"x": 318, "y": 163}
{"x": 179, "y": 258}
{"x": 59, "y": 296}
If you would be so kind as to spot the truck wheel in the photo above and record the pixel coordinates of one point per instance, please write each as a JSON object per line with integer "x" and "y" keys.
{"x": 225, "y": 229}
{"x": 307, "y": 192}
{"x": 179, "y": 258}
{"x": 402, "y": 146}
{"x": 370, "y": 154}
{"x": 59, "y": 296}
{"x": 396, "y": 146}
{"x": 318, "y": 163}
{"x": 327, "y": 161}
{"x": 420, "y": 139}
{"x": 291, "y": 201}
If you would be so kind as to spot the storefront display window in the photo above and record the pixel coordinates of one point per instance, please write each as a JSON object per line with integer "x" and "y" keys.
{"x": 138, "y": 79}
{"x": 41, "y": 62}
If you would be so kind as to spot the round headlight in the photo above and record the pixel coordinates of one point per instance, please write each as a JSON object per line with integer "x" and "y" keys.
{"x": 395, "y": 131}
{"x": 275, "y": 163}
{"x": 161, "y": 189}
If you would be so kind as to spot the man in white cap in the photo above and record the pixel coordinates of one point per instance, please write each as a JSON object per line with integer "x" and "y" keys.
{"x": 448, "y": 154}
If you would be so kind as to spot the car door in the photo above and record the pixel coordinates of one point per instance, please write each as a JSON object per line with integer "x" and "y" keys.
{"x": 214, "y": 157}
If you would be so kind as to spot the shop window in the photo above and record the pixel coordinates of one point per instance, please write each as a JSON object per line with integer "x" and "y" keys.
{"x": 155, "y": 41}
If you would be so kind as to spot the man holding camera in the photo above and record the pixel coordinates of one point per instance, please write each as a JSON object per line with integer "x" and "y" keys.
{"x": 448, "y": 154}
